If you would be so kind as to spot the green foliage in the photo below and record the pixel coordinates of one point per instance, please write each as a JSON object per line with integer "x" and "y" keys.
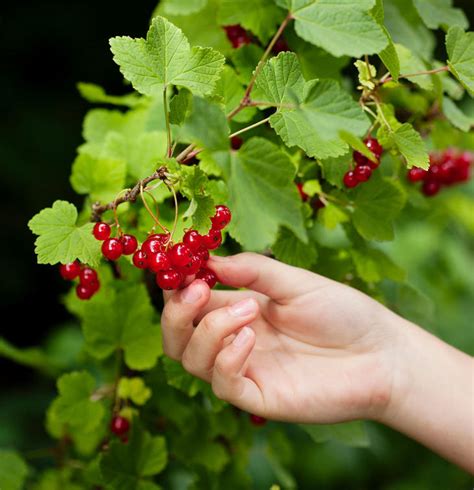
{"x": 460, "y": 47}
{"x": 13, "y": 470}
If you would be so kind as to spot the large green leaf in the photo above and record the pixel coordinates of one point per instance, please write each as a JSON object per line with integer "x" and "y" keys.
{"x": 436, "y": 13}
{"x": 456, "y": 116}
{"x": 349, "y": 433}
{"x": 96, "y": 94}
{"x": 60, "y": 240}
{"x": 411, "y": 63}
{"x": 289, "y": 249}
{"x": 460, "y": 47}
{"x": 166, "y": 58}
{"x": 13, "y": 470}
{"x": 262, "y": 195}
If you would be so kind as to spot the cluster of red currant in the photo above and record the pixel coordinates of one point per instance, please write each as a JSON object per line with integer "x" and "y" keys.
{"x": 171, "y": 263}
{"x": 237, "y": 35}
{"x": 446, "y": 168}
{"x": 120, "y": 427}
{"x": 364, "y": 167}
{"x": 88, "y": 279}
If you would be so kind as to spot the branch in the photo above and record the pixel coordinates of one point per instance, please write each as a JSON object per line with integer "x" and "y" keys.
{"x": 386, "y": 79}
{"x": 248, "y": 128}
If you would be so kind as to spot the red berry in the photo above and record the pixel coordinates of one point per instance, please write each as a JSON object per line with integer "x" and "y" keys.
{"x": 101, "y": 230}
{"x": 463, "y": 173}
{"x": 207, "y": 276}
{"x": 163, "y": 238}
{"x": 221, "y": 218}
{"x": 359, "y": 158}
{"x": 140, "y": 259}
{"x": 280, "y": 45}
{"x": 302, "y": 193}
{"x": 362, "y": 173}
{"x": 192, "y": 239}
{"x": 159, "y": 262}
{"x": 434, "y": 173}
{"x": 153, "y": 245}
{"x": 257, "y": 420}
{"x": 431, "y": 187}
{"x": 119, "y": 425}
{"x": 84, "y": 292}
{"x": 448, "y": 154}
{"x": 180, "y": 255}
{"x": 112, "y": 248}
{"x": 193, "y": 266}
{"x": 464, "y": 159}
{"x": 317, "y": 204}
{"x": 374, "y": 146}
{"x": 88, "y": 277}
{"x": 236, "y": 142}
{"x": 212, "y": 240}
{"x": 350, "y": 180}
{"x": 237, "y": 35}
{"x": 170, "y": 279}
{"x": 416, "y": 174}
{"x": 129, "y": 243}
{"x": 203, "y": 254}
{"x": 447, "y": 172}
{"x": 70, "y": 271}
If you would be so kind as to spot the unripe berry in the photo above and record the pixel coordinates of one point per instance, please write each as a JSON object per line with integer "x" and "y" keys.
{"x": 129, "y": 243}
{"x": 70, "y": 271}
{"x": 101, "y": 231}
{"x": 112, "y": 248}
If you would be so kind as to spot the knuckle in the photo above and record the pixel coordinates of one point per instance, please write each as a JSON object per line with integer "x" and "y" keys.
{"x": 219, "y": 390}
{"x": 222, "y": 366}
{"x": 209, "y": 325}
{"x": 187, "y": 362}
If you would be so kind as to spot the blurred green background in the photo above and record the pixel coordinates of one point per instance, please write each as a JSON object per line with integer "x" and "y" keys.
{"x": 47, "y": 48}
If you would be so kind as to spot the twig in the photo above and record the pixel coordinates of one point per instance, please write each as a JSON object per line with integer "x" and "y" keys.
{"x": 248, "y": 128}
{"x": 386, "y": 79}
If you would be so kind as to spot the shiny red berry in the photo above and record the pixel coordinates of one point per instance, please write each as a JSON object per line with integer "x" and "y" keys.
{"x": 170, "y": 279}
{"x": 221, "y": 218}
{"x": 119, "y": 425}
{"x": 465, "y": 159}
{"x": 140, "y": 259}
{"x": 180, "y": 255}
{"x": 302, "y": 193}
{"x": 280, "y": 46}
{"x": 236, "y": 142}
{"x": 374, "y": 146}
{"x": 350, "y": 180}
{"x": 192, "y": 239}
{"x": 88, "y": 277}
{"x": 362, "y": 173}
{"x": 129, "y": 243}
{"x": 212, "y": 240}
{"x": 257, "y": 420}
{"x": 447, "y": 172}
{"x": 70, "y": 271}
{"x": 84, "y": 292}
{"x": 434, "y": 172}
{"x": 203, "y": 254}
{"x": 359, "y": 158}
{"x": 163, "y": 238}
{"x": 112, "y": 248}
{"x": 237, "y": 35}
{"x": 153, "y": 245}
{"x": 430, "y": 188}
{"x": 101, "y": 231}
{"x": 159, "y": 262}
{"x": 193, "y": 266}
{"x": 207, "y": 276}
{"x": 416, "y": 174}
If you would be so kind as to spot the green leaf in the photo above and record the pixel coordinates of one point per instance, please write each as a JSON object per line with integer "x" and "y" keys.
{"x": 367, "y": 73}
{"x": 180, "y": 379}
{"x": 373, "y": 265}
{"x": 13, "y": 470}
{"x": 95, "y": 93}
{"x": 74, "y": 406}
{"x": 180, "y": 106}
{"x": 124, "y": 466}
{"x": 460, "y": 47}
{"x": 357, "y": 144}
{"x": 377, "y": 203}
{"x": 200, "y": 210}
{"x": 166, "y": 58}
{"x": 60, "y": 240}
{"x": 262, "y": 195}
{"x": 289, "y": 249}
{"x": 134, "y": 389}
{"x": 182, "y": 7}
{"x": 123, "y": 320}
{"x": 101, "y": 178}
{"x": 331, "y": 215}
{"x": 335, "y": 168}
{"x": 349, "y": 433}
{"x": 440, "y": 13}
{"x": 32, "y": 356}
{"x": 259, "y": 16}
{"x": 342, "y": 28}
{"x": 411, "y": 63}
{"x": 455, "y": 116}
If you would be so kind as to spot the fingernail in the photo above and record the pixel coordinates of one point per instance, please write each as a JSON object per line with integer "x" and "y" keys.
{"x": 219, "y": 258}
{"x": 191, "y": 294}
{"x": 242, "y": 337}
{"x": 243, "y": 308}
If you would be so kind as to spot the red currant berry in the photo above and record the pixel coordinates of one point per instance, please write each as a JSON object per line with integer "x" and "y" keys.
{"x": 362, "y": 173}
{"x": 280, "y": 46}
{"x": 350, "y": 180}
{"x": 101, "y": 231}
{"x": 180, "y": 255}
{"x": 119, "y": 425}
{"x": 70, "y": 271}
{"x": 170, "y": 279}
{"x": 302, "y": 193}
{"x": 237, "y": 35}
{"x": 112, "y": 248}
{"x": 222, "y": 217}
{"x": 140, "y": 259}
{"x": 207, "y": 276}
{"x": 212, "y": 240}
{"x": 416, "y": 174}
{"x": 463, "y": 173}
{"x": 192, "y": 239}
{"x": 447, "y": 172}
{"x": 448, "y": 154}
{"x": 203, "y": 254}
{"x": 317, "y": 204}
{"x": 152, "y": 246}
{"x": 431, "y": 187}
{"x": 257, "y": 420}
{"x": 88, "y": 277}
{"x": 374, "y": 146}
{"x": 164, "y": 238}
{"x": 193, "y": 266}
{"x": 465, "y": 159}
{"x": 359, "y": 158}
{"x": 84, "y": 292}
{"x": 236, "y": 142}
{"x": 129, "y": 243}
{"x": 159, "y": 262}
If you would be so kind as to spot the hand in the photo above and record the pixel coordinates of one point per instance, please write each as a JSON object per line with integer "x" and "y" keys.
{"x": 294, "y": 346}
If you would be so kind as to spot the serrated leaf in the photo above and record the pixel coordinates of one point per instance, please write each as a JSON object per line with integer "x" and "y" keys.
{"x": 342, "y": 28}
{"x": 331, "y": 215}
{"x": 180, "y": 105}
{"x": 289, "y": 249}
{"x": 182, "y": 7}
{"x": 124, "y": 466}
{"x": 13, "y": 470}
{"x": 352, "y": 434}
{"x": 262, "y": 17}
{"x": 101, "y": 178}
{"x": 262, "y": 195}
{"x": 440, "y": 13}
{"x": 60, "y": 240}
{"x": 357, "y": 144}
{"x": 123, "y": 320}
{"x": 31, "y": 356}
{"x": 455, "y": 116}
{"x": 411, "y": 63}
{"x": 335, "y": 168}
{"x": 377, "y": 203}
{"x": 460, "y": 48}
{"x": 134, "y": 389}
{"x": 209, "y": 454}
{"x": 95, "y": 93}
{"x": 373, "y": 265}
{"x": 73, "y": 406}
{"x": 166, "y": 58}
{"x": 200, "y": 211}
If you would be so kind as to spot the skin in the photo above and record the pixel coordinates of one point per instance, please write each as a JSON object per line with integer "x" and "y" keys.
{"x": 295, "y": 346}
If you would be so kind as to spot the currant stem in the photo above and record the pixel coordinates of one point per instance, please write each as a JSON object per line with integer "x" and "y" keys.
{"x": 150, "y": 212}
{"x": 248, "y": 128}
{"x": 386, "y": 79}
{"x": 182, "y": 156}
{"x": 176, "y": 210}
{"x": 169, "y": 151}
